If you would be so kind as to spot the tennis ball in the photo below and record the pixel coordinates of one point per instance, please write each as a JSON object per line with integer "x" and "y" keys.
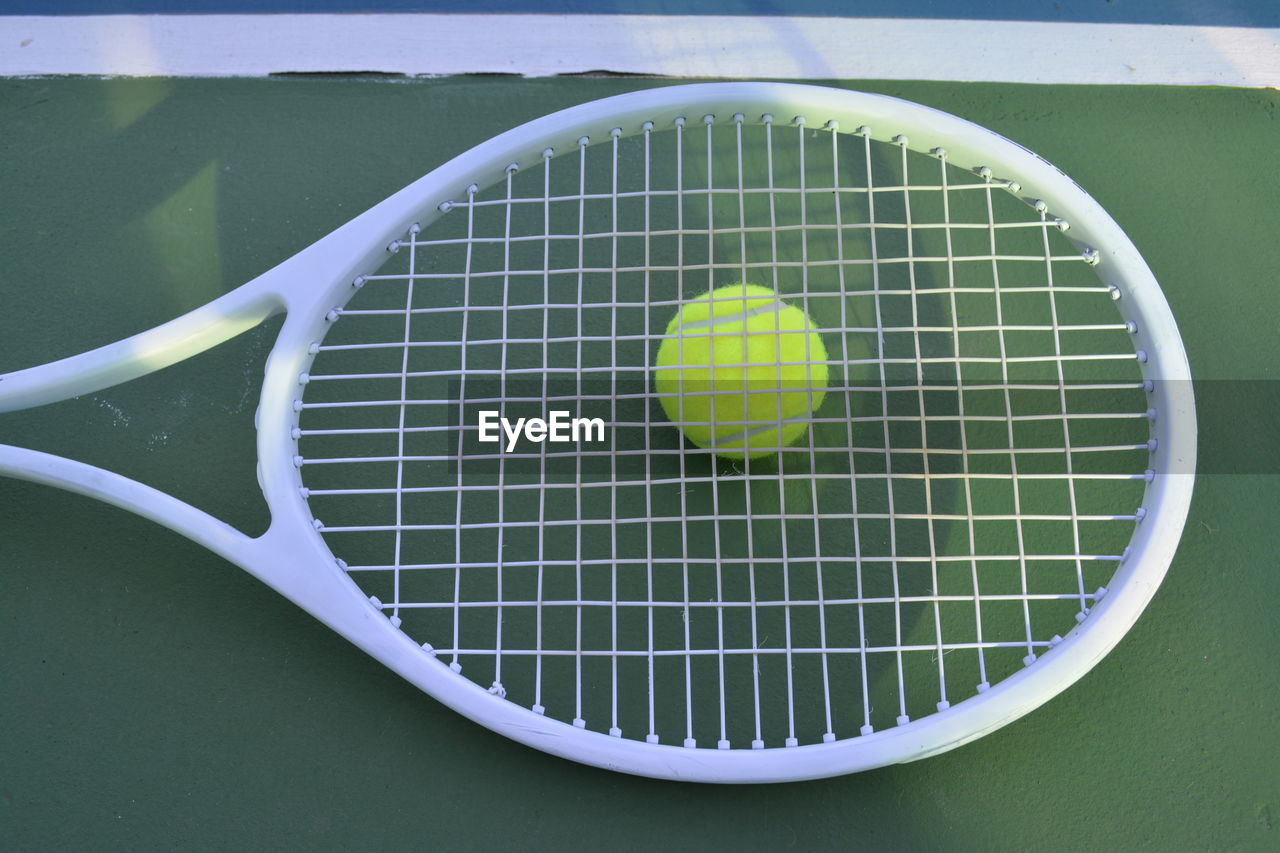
{"x": 740, "y": 371}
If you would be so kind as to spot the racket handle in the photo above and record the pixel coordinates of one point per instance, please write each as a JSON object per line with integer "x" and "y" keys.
{"x": 88, "y": 480}
{"x": 146, "y": 352}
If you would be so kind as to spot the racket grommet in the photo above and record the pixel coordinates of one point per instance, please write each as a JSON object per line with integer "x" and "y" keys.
{"x": 863, "y": 130}
{"x": 583, "y": 141}
{"x": 375, "y": 601}
{"x": 983, "y": 686}
{"x": 646, "y": 126}
{"x": 1054, "y": 640}
{"x": 798, "y": 121}
{"x": 298, "y": 461}
{"x": 940, "y": 153}
{"x": 295, "y": 433}
{"x": 739, "y": 118}
{"x": 1029, "y": 659}
{"x": 1139, "y": 514}
{"x": 393, "y": 246}
{"x": 472, "y": 189}
{"x": 832, "y": 124}
{"x": 866, "y": 730}
{"x": 538, "y": 709}
{"x": 1062, "y": 224}
{"x": 650, "y": 738}
{"x": 579, "y": 723}
{"x": 1092, "y": 258}
{"x": 983, "y": 172}
{"x": 678, "y": 121}
{"x": 767, "y": 118}
{"x": 722, "y": 744}
{"x": 902, "y": 140}
{"x": 314, "y": 348}
{"x": 1115, "y": 293}
{"x": 943, "y": 705}
{"x": 903, "y": 719}
{"x": 317, "y": 524}
{"x": 512, "y": 168}
{"x": 1082, "y": 615}
{"x": 1151, "y": 414}
{"x": 615, "y": 732}
{"x": 1149, "y": 475}
{"x": 690, "y": 743}
{"x": 498, "y": 690}
{"x": 455, "y": 667}
{"x": 297, "y": 405}
{"x": 548, "y": 153}
{"x": 1101, "y": 592}
{"x": 304, "y": 378}
{"x": 1013, "y": 187}
{"x": 708, "y": 119}
{"x": 429, "y": 649}
{"x": 615, "y": 132}
{"x": 304, "y": 492}
{"x": 1142, "y": 356}
{"x": 415, "y": 228}
{"x": 1039, "y": 206}
{"x": 1124, "y": 558}
{"x": 394, "y": 620}
{"x": 444, "y": 206}
{"x": 333, "y": 315}
{"x": 1152, "y": 444}
{"x": 790, "y": 742}
{"x": 1131, "y": 327}
{"x": 1148, "y": 385}
{"x": 340, "y": 563}
{"x": 757, "y": 744}
{"x": 828, "y": 737}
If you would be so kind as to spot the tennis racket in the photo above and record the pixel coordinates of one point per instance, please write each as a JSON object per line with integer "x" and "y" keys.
{"x": 988, "y": 496}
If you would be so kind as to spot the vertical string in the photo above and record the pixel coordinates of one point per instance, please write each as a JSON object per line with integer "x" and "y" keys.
{"x": 828, "y": 733}
{"x": 497, "y": 687}
{"x": 757, "y": 742}
{"x": 924, "y": 420}
{"x": 848, "y": 412}
{"x": 689, "y": 740}
{"x": 578, "y": 719}
{"x": 1042, "y": 209}
{"x": 723, "y": 742}
{"x": 877, "y": 292}
{"x": 614, "y": 728}
{"x": 652, "y": 735}
{"x": 456, "y": 664}
{"x": 966, "y": 477}
{"x": 1008, "y": 411}
{"x": 547, "y": 153}
{"x": 404, "y": 398}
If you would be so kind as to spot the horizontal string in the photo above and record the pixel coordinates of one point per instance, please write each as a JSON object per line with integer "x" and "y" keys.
{"x": 696, "y": 479}
{"x": 769, "y": 516}
{"x": 732, "y": 562}
{"x": 763, "y": 650}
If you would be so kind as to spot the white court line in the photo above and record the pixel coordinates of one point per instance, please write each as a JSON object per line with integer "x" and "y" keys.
{"x": 678, "y": 46}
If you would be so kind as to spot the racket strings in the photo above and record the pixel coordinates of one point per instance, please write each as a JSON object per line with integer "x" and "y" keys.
{"x": 958, "y": 502}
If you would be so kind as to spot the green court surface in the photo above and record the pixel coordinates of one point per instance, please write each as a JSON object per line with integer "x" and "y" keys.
{"x": 153, "y": 696}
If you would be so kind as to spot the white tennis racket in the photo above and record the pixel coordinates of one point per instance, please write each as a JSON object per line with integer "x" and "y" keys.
{"x": 984, "y": 503}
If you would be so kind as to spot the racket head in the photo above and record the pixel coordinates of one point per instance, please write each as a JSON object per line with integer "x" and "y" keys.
{"x": 315, "y": 287}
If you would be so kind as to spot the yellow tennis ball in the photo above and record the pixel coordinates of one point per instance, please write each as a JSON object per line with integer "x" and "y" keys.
{"x": 740, "y": 371}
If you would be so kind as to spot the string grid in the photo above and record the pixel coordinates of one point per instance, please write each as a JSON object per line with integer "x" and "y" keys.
{"x": 959, "y": 501}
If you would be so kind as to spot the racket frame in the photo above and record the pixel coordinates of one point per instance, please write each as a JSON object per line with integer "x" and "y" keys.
{"x": 291, "y": 555}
